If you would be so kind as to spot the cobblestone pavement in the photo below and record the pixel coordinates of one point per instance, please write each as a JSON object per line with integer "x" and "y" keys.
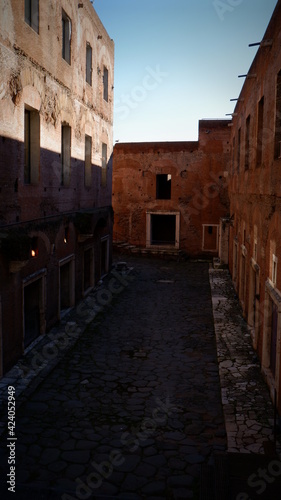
{"x": 134, "y": 407}
{"x": 248, "y": 410}
{"x": 131, "y": 408}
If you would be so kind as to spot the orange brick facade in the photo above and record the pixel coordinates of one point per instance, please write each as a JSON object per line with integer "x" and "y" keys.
{"x": 255, "y": 206}
{"x": 56, "y": 115}
{"x": 171, "y": 196}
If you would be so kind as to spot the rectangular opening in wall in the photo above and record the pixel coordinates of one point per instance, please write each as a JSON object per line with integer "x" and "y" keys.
{"x": 210, "y": 237}
{"x": 65, "y": 155}
{"x": 89, "y": 64}
{"x": 273, "y": 340}
{"x": 31, "y": 14}
{"x": 260, "y": 132}
{"x": 66, "y": 37}
{"x": 104, "y": 165}
{"x": 104, "y": 256}
{"x": 247, "y": 143}
{"x": 278, "y": 118}
{"x": 66, "y": 285}
{"x": 33, "y": 298}
{"x": 238, "y": 150}
{"x": 88, "y": 271}
{"x": 31, "y": 146}
{"x": 88, "y": 161}
{"x": 105, "y": 84}
{"x": 163, "y": 229}
{"x": 163, "y": 186}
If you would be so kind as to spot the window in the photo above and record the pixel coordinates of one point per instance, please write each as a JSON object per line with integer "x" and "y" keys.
{"x": 163, "y": 186}
{"x": 65, "y": 154}
{"x": 88, "y": 274}
{"x": 104, "y": 165}
{"x": 105, "y": 84}
{"x": 247, "y": 143}
{"x": 277, "y": 152}
{"x": 104, "y": 256}
{"x": 88, "y": 161}
{"x": 66, "y": 37}
{"x": 31, "y": 14}
{"x": 260, "y": 131}
{"x": 233, "y": 155}
{"x": 31, "y": 146}
{"x": 89, "y": 64}
{"x": 238, "y": 150}
{"x": 274, "y": 269}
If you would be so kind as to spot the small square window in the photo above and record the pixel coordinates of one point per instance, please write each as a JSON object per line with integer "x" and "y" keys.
{"x": 163, "y": 186}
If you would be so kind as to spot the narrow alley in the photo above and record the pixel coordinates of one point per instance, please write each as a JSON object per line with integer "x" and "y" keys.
{"x": 134, "y": 408}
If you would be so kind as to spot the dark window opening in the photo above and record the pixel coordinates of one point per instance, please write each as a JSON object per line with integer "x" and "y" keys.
{"x": 88, "y": 161}
{"x": 273, "y": 341}
{"x": 89, "y": 64}
{"x": 277, "y": 151}
{"x": 104, "y": 257}
{"x": 27, "y": 148}
{"x": 247, "y": 144}
{"x": 104, "y": 165}
{"x": 210, "y": 229}
{"x": 87, "y": 269}
{"x": 238, "y": 150}
{"x": 31, "y": 146}
{"x": 31, "y": 14}
{"x": 66, "y": 37}
{"x": 163, "y": 229}
{"x": 163, "y": 186}
{"x": 105, "y": 84}
{"x": 260, "y": 131}
{"x": 65, "y": 284}
{"x": 233, "y": 155}
{"x": 32, "y": 297}
{"x": 65, "y": 154}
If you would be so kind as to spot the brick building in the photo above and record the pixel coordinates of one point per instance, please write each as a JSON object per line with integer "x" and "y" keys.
{"x": 255, "y": 202}
{"x": 56, "y": 114}
{"x": 169, "y": 197}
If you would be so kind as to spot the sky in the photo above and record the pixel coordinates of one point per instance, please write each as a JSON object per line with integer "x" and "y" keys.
{"x": 178, "y": 61}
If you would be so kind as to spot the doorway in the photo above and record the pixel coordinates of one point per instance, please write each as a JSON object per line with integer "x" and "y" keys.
{"x": 66, "y": 285}
{"x": 33, "y": 307}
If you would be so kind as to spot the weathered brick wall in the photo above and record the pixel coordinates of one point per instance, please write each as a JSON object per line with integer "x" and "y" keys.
{"x": 33, "y": 73}
{"x": 254, "y": 192}
{"x": 35, "y": 76}
{"x": 197, "y": 187}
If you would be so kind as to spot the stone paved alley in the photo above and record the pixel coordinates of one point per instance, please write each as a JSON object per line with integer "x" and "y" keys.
{"x": 133, "y": 409}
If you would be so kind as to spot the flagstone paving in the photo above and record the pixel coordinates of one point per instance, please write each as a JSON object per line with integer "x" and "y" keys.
{"x": 248, "y": 410}
{"x": 132, "y": 406}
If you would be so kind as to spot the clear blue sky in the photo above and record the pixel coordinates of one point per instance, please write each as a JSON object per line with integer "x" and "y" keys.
{"x": 178, "y": 61}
